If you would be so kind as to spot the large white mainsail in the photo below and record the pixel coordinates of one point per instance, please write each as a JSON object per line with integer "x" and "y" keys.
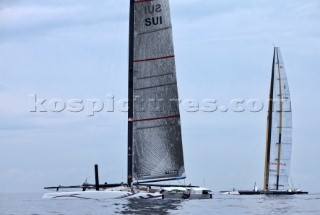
{"x": 156, "y": 141}
{"x": 279, "y": 128}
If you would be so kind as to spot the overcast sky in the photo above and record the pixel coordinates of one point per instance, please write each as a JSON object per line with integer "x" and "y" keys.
{"x": 77, "y": 49}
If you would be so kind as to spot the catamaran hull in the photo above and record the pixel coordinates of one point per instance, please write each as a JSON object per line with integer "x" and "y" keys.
{"x": 120, "y": 194}
{"x": 100, "y": 195}
{"x": 186, "y": 196}
{"x": 186, "y": 193}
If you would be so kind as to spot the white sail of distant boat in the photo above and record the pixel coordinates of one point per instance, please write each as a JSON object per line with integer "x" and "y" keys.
{"x": 279, "y": 129}
{"x": 155, "y": 152}
{"x": 278, "y": 137}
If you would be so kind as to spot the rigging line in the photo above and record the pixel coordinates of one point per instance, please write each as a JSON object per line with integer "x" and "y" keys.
{"x": 258, "y": 143}
{"x": 123, "y": 115}
{"x": 108, "y": 66}
{"x": 291, "y": 181}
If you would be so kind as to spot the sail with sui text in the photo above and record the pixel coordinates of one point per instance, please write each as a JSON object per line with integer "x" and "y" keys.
{"x": 156, "y": 130}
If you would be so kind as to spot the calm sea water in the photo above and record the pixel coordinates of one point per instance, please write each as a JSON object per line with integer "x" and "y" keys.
{"x": 32, "y": 204}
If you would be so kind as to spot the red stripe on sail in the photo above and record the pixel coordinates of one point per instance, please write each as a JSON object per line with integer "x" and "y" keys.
{"x": 141, "y": 1}
{"x": 151, "y": 119}
{"x": 150, "y": 59}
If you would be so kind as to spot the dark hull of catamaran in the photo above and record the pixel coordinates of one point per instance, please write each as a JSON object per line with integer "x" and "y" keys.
{"x": 270, "y": 192}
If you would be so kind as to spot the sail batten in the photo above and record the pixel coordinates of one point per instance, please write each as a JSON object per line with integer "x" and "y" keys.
{"x": 142, "y": 1}
{"x": 154, "y": 76}
{"x": 154, "y": 31}
{"x": 157, "y": 141}
{"x": 279, "y": 141}
{"x": 151, "y": 59}
{"x": 149, "y": 119}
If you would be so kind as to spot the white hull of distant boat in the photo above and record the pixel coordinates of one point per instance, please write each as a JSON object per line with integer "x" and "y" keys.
{"x": 230, "y": 192}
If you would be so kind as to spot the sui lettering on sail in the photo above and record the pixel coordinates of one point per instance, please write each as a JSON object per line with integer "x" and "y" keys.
{"x": 153, "y": 10}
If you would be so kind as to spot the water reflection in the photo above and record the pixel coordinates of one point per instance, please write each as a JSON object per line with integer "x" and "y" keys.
{"x": 142, "y": 206}
{"x": 279, "y": 204}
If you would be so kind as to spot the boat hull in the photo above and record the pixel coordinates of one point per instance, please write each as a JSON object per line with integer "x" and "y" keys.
{"x": 186, "y": 196}
{"x": 135, "y": 193}
{"x": 100, "y": 195}
{"x": 229, "y": 192}
{"x": 186, "y": 193}
{"x": 270, "y": 192}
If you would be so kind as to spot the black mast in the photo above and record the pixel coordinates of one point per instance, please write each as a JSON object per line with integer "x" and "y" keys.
{"x": 130, "y": 91}
{"x": 96, "y": 176}
{"x": 269, "y": 126}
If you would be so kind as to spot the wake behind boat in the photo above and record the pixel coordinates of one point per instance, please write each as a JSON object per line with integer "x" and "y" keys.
{"x": 279, "y": 136}
{"x": 155, "y": 152}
